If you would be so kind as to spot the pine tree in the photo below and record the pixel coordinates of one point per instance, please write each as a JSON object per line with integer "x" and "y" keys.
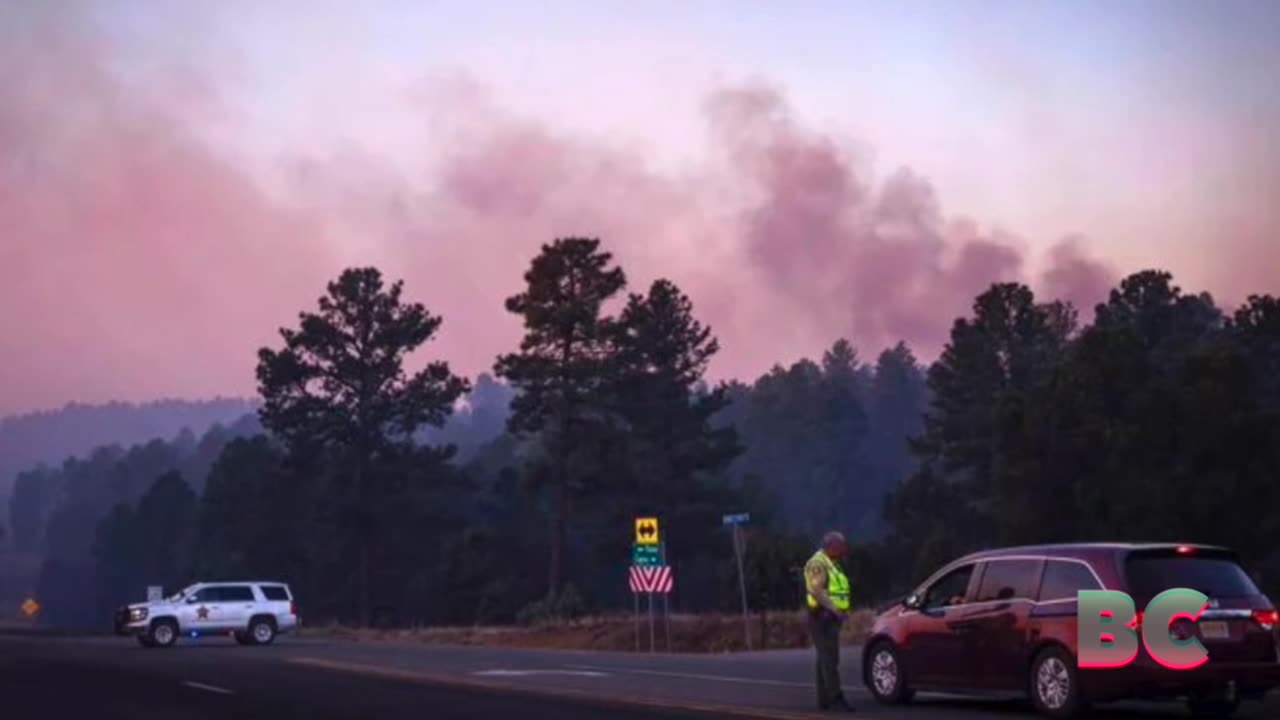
{"x": 562, "y": 371}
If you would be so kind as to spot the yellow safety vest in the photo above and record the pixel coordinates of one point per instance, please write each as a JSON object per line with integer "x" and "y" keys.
{"x": 837, "y": 583}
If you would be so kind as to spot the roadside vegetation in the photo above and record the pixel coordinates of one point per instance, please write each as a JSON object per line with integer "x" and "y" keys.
{"x": 689, "y": 633}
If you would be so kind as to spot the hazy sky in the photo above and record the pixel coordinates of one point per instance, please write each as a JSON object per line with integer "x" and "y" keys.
{"x": 177, "y": 180}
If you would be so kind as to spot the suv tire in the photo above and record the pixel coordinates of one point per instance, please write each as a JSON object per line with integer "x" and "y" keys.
{"x": 1053, "y": 685}
{"x": 885, "y": 678}
{"x": 262, "y": 630}
{"x": 162, "y": 633}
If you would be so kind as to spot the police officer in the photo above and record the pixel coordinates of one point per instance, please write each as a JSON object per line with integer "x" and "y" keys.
{"x": 827, "y": 591}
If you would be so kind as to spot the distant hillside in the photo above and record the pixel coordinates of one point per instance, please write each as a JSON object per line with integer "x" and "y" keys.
{"x": 53, "y": 436}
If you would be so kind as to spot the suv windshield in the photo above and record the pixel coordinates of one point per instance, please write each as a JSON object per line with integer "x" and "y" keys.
{"x": 1213, "y": 574}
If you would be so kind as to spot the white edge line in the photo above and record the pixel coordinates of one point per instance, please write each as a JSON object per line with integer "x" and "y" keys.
{"x": 695, "y": 676}
{"x": 210, "y": 688}
{"x": 527, "y": 673}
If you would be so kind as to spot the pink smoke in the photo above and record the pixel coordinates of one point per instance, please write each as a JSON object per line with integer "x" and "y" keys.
{"x": 138, "y": 262}
{"x": 1077, "y": 278}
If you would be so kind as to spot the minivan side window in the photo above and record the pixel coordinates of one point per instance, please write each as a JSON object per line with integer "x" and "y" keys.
{"x": 948, "y": 588}
{"x": 1009, "y": 580}
{"x": 1063, "y": 579}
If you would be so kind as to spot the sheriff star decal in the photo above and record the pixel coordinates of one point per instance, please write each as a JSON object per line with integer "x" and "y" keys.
{"x": 202, "y": 612}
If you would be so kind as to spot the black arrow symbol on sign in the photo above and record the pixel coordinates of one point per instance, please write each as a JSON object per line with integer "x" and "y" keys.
{"x": 647, "y": 530}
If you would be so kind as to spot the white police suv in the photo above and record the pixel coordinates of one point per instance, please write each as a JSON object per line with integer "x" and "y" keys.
{"x": 253, "y": 612}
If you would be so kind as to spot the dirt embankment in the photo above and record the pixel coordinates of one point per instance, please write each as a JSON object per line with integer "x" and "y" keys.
{"x": 18, "y": 575}
{"x": 688, "y": 634}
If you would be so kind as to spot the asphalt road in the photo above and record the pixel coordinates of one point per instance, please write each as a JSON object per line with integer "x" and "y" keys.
{"x": 51, "y": 677}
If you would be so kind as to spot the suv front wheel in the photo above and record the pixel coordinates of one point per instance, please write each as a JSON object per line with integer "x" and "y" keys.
{"x": 1053, "y": 686}
{"x": 162, "y": 633}
{"x": 262, "y": 631}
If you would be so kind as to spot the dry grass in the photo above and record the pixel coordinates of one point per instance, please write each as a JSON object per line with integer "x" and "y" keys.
{"x": 689, "y": 633}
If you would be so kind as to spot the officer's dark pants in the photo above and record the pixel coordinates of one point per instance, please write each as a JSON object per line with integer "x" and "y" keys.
{"x": 824, "y": 630}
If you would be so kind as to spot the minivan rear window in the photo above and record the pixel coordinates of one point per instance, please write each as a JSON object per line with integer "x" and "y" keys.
{"x": 1214, "y": 574}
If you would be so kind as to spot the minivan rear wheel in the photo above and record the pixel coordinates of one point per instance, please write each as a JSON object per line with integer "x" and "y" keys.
{"x": 1222, "y": 708}
{"x": 885, "y": 678}
{"x": 1053, "y": 686}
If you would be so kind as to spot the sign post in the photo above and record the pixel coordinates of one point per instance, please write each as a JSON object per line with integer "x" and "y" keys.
{"x": 651, "y": 650}
{"x": 666, "y": 605}
{"x": 736, "y": 522}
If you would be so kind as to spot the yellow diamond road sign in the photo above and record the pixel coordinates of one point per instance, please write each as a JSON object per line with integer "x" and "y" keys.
{"x": 647, "y": 531}
{"x": 30, "y": 607}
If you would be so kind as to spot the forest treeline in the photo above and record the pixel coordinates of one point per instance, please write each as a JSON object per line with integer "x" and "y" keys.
{"x": 389, "y": 490}
{"x": 50, "y": 436}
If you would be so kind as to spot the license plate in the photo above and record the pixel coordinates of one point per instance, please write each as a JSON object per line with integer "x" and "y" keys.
{"x": 1214, "y": 630}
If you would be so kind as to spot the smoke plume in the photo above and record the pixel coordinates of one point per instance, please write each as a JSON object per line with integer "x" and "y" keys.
{"x": 139, "y": 259}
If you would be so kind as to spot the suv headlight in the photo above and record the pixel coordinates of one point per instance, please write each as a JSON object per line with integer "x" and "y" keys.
{"x": 137, "y": 614}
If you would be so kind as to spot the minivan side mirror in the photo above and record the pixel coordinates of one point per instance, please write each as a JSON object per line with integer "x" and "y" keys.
{"x": 912, "y": 602}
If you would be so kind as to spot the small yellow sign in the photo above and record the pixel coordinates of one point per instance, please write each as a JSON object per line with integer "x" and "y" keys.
{"x": 30, "y": 607}
{"x": 647, "y": 531}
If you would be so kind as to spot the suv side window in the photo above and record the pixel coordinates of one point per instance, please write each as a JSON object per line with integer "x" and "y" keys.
{"x": 236, "y": 593}
{"x": 274, "y": 593}
{"x": 948, "y": 588}
{"x": 1009, "y": 580}
{"x": 1063, "y": 579}
{"x": 207, "y": 595}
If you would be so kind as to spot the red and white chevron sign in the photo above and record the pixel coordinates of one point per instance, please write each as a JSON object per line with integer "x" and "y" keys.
{"x": 651, "y": 579}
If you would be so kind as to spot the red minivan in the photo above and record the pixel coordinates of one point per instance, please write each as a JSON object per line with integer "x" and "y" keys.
{"x": 1004, "y": 622}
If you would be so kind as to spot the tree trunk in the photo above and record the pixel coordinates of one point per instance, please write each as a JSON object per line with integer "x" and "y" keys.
{"x": 559, "y": 538}
{"x": 363, "y": 530}
{"x": 364, "y": 582}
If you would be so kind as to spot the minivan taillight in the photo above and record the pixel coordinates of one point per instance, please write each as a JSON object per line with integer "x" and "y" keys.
{"x": 1267, "y": 618}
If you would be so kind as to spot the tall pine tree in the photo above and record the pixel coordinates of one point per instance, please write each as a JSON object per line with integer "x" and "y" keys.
{"x": 562, "y": 373}
{"x": 339, "y": 389}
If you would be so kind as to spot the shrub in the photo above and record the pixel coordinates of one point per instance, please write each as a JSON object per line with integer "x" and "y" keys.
{"x": 567, "y": 605}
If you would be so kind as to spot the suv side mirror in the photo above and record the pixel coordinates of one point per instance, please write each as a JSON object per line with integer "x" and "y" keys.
{"x": 190, "y": 599}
